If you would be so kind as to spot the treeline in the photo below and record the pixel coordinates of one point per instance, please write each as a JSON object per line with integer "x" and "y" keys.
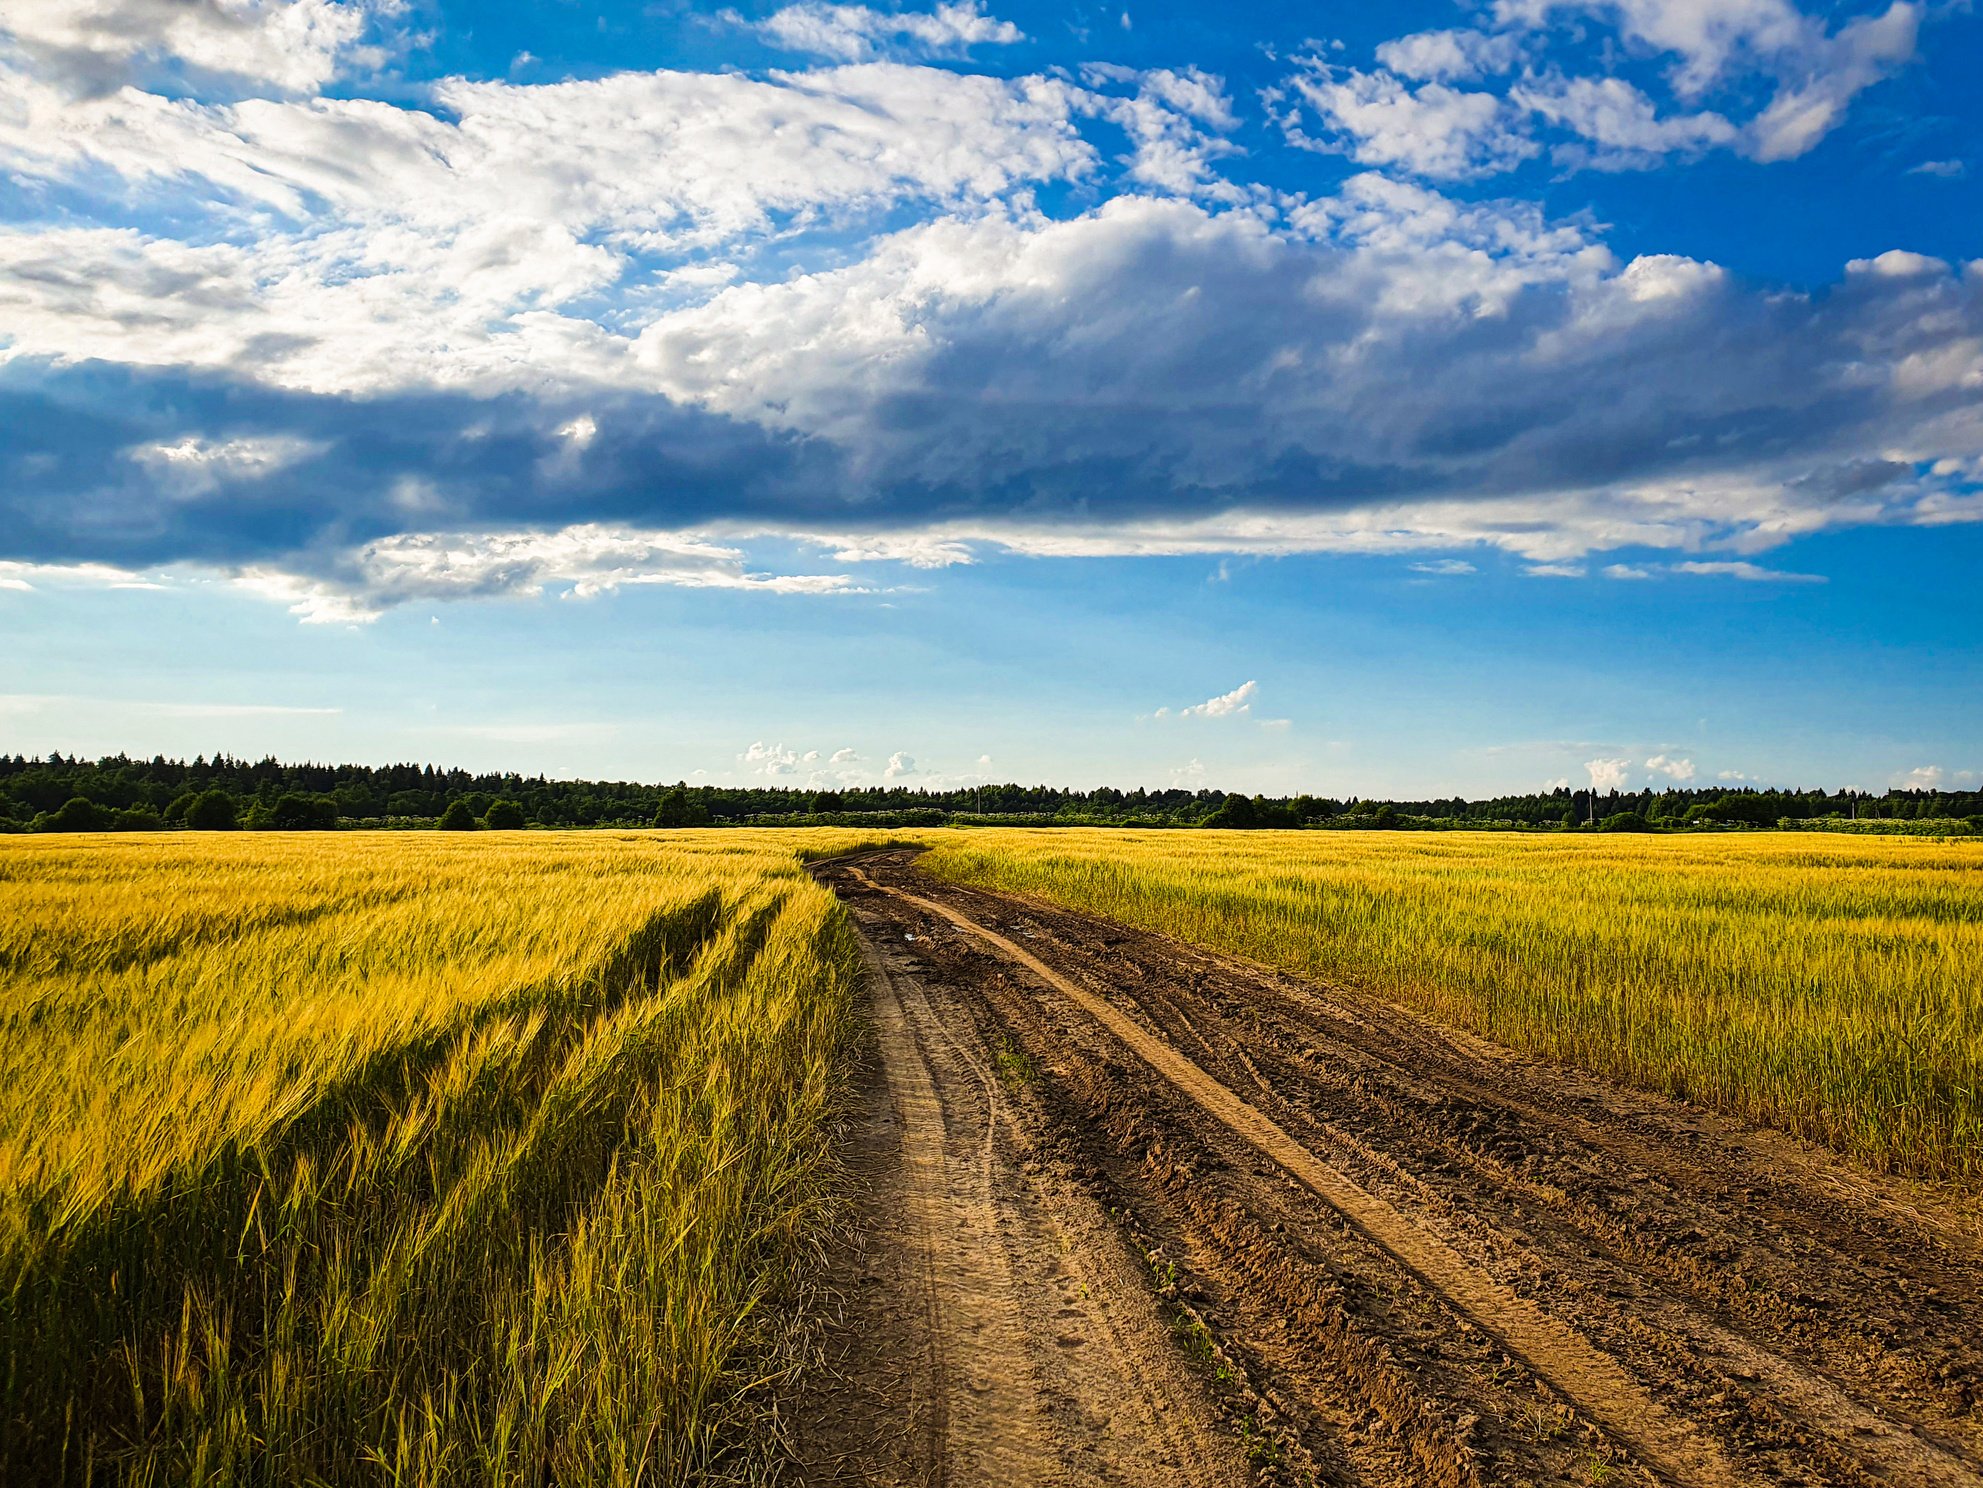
{"x": 61, "y": 793}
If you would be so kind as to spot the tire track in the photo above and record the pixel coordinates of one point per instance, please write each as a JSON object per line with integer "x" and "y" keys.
{"x": 998, "y": 1332}
{"x": 1592, "y": 1381}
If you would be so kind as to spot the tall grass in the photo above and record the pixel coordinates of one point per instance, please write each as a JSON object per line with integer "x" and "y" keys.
{"x": 1830, "y": 987}
{"x": 406, "y": 1159}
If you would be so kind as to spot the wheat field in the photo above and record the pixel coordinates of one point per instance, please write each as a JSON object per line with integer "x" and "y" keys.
{"x": 414, "y": 1159}
{"x": 1827, "y": 986}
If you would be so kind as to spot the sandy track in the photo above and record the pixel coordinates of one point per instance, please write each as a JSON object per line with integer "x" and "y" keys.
{"x": 1427, "y": 1261}
{"x": 997, "y": 1329}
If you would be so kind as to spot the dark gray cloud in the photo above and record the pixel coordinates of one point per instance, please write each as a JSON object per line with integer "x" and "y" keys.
{"x": 1166, "y": 366}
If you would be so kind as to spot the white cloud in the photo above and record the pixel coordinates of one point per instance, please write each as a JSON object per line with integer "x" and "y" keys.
{"x": 1835, "y": 70}
{"x": 1555, "y": 571}
{"x": 1177, "y": 122}
{"x": 1947, "y": 170}
{"x": 1627, "y": 571}
{"x": 95, "y": 46}
{"x": 1747, "y": 572}
{"x": 21, "y": 576}
{"x": 192, "y": 466}
{"x": 1922, "y": 778}
{"x": 429, "y": 245}
{"x": 1680, "y": 771}
{"x": 1235, "y": 704}
{"x": 855, "y": 33}
{"x": 1378, "y": 119}
{"x": 1450, "y": 56}
{"x": 914, "y": 549}
{"x": 1311, "y": 358}
{"x": 900, "y": 765}
{"x": 1444, "y": 566}
{"x": 1817, "y": 73}
{"x": 1608, "y": 774}
{"x": 769, "y": 759}
{"x": 1620, "y": 122}
{"x": 587, "y": 560}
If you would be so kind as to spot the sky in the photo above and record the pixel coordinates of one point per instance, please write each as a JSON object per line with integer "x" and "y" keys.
{"x": 1456, "y": 397}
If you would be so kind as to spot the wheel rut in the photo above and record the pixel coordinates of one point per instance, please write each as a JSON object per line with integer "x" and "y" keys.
{"x": 995, "y": 1328}
{"x": 1412, "y": 1257}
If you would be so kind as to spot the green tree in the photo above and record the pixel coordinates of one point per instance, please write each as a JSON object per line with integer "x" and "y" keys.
{"x": 1624, "y": 821}
{"x": 504, "y": 816}
{"x": 77, "y": 814}
{"x": 457, "y": 818}
{"x": 210, "y": 811}
{"x": 679, "y": 809}
{"x": 294, "y": 811}
{"x": 1236, "y": 812}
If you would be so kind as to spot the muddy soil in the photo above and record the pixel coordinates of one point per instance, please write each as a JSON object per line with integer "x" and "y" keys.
{"x": 1137, "y": 1213}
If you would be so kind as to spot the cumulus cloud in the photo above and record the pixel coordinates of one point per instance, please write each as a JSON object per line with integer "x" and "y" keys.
{"x": 1189, "y": 776}
{"x": 770, "y": 759}
{"x": 899, "y": 766}
{"x": 1816, "y": 72}
{"x": 1619, "y": 123}
{"x": 1608, "y": 774}
{"x": 1177, "y": 122}
{"x": 504, "y": 339}
{"x": 1249, "y": 387}
{"x": 1379, "y": 119}
{"x": 855, "y": 33}
{"x": 1235, "y": 704}
{"x": 1450, "y": 56}
{"x": 1406, "y": 115}
{"x": 97, "y": 46}
{"x": 1922, "y": 778}
{"x": 1679, "y": 771}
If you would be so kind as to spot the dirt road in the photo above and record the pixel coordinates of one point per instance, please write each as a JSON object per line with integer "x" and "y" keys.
{"x": 1140, "y": 1214}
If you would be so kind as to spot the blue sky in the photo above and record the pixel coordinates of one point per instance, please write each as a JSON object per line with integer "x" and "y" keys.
{"x": 1407, "y": 399}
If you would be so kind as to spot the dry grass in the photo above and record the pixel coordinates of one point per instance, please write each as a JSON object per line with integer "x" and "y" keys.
{"x": 1831, "y": 987}
{"x": 409, "y": 1159}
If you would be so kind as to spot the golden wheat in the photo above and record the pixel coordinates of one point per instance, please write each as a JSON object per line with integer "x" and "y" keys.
{"x": 409, "y": 1159}
{"x": 1827, "y": 986}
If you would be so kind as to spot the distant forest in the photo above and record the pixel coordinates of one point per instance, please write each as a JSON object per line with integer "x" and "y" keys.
{"x": 118, "y": 793}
